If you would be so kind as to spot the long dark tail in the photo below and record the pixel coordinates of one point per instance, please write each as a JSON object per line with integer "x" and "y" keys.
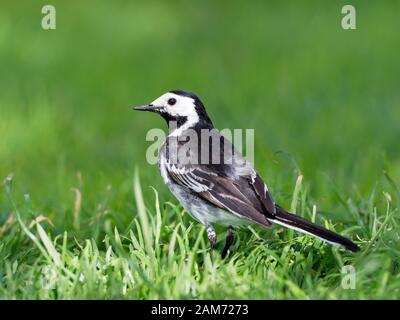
{"x": 295, "y": 222}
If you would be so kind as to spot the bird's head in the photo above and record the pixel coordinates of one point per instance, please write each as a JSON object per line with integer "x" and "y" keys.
{"x": 179, "y": 106}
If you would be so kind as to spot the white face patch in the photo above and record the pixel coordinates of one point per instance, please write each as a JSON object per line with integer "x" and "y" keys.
{"x": 182, "y": 107}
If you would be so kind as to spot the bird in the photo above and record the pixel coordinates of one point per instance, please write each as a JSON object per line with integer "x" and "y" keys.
{"x": 222, "y": 187}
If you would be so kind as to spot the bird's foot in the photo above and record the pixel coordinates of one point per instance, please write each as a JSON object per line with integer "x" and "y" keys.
{"x": 212, "y": 236}
{"x": 229, "y": 240}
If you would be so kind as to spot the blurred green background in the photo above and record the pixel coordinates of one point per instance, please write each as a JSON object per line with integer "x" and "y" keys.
{"x": 326, "y": 97}
{"x": 323, "y": 101}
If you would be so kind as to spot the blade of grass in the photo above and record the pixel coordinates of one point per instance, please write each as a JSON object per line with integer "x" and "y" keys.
{"x": 144, "y": 222}
{"x": 48, "y": 245}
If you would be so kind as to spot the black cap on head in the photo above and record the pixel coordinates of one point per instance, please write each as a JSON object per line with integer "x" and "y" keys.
{"x": 185, "y": 93}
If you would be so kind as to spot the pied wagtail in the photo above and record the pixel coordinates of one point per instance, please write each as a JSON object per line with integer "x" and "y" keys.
{"x": 221, "y": 187}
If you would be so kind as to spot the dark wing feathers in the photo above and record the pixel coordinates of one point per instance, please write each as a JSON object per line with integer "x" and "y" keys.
{"x": 228, "y": 196}
{"x": 238, "y": 195}
{"x": 232, "y": 185}
{"x": 263, "y": 194}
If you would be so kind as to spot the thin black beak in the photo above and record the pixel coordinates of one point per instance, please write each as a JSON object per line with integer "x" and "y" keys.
{"x": 147, "y": 107}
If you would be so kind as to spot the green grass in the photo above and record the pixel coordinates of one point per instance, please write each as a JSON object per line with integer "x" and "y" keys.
{"x": 83, "y": 215}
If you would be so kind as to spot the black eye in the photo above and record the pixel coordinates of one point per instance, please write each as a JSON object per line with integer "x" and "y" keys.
{"x": 171, "y": 101}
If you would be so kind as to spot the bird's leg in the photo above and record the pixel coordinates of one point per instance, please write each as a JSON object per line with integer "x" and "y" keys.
{"x": 229, "y": 240}
{"x": 212, "y": 236}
